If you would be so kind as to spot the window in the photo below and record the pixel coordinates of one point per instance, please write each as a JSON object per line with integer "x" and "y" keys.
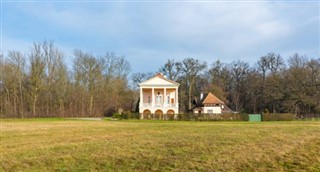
{"x": 149, "y": 100}
{"x": 159, "y": 99}
{"x": 210, "y": 111}
{"x": 168, "y": 99}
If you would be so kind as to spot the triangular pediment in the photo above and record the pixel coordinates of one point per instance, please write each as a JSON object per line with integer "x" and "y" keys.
{"x": 159, "y": 80}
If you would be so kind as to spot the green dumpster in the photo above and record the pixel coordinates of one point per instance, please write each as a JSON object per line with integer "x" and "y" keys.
{"x": 255, "y": 118}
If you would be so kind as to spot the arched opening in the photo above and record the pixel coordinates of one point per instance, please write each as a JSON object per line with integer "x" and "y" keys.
{"x": 146, "y": 114}
{"x": 158, "y": 114}
{"x": 170, "y": 114}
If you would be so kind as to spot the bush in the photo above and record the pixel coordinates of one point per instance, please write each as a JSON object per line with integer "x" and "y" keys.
{"x": 117, "y": 116}
{"x": 208, "y": 117}
{"x": 170, "y": 116}
{"x": 234, "y": 117}
{"x": 222, "y": 117}
{"x": 126, "y": 115}
{"x": 186, "y": 117}
{"x": 244, "y": 117}
{"x": 134, "y": 116}
{"x": 278, "y": 116}
{"x": 212, "y": 117}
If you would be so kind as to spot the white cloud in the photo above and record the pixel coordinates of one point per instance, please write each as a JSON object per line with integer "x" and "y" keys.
{"x": 204, "y": 30}
{"x": 15, "y": 44}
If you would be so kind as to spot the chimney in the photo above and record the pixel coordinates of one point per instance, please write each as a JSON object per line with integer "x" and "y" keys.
{"x": 159, "y": 74}
{"x": 201, "y": 95}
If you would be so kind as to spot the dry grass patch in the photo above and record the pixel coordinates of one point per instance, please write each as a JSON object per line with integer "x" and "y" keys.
{"x": 67, "y": 145}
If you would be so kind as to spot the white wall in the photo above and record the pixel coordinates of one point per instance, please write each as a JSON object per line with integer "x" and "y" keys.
{"x": 163, "y": 109}
{"x": 216, "y": 110}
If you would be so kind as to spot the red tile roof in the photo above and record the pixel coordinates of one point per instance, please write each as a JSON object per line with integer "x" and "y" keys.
{"x": 211, "y": 99}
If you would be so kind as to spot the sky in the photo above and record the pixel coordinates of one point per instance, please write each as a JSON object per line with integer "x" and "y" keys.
{"x": 148, "y": 33}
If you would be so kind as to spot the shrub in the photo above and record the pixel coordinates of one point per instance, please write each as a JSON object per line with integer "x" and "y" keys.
{"x": 117, "y": 116}
{"x": 134, "y": 116}
{"x": 170, "y": 116}
{"x": 278, "y": 117}
{"x": 212, "y": 117}
{"x": 126, "y": 115}
{"x": 222, "y": 117}
{"x": 187, "y": 117}
{"x": 244, "y": 117}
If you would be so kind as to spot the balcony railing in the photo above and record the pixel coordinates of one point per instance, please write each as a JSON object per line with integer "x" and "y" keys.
{"x": 146, "y": 104}
{"x": 159, "y": 105}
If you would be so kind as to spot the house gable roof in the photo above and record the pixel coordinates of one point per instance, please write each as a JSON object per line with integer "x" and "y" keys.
{"x": 159, "y": 80}
{"x": 209, "y": 98}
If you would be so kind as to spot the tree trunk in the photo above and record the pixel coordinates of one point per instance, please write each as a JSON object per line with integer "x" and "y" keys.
{"x": 254, "y": 105}
{"x": 21, "y": 100}
{"x": 7, "y": 100}
{"x": 61, "y": 108}
{"x": 14, "y": 103}
{"x": 34, "y": 105}
{"x": 190, "y": 95}
{"x": 47, "y": 105}
{"x": 82, "y": 105}
{"x": 91, "y": 105}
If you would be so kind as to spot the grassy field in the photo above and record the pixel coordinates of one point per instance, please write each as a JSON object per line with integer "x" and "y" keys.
{"x": 75, "y": 145}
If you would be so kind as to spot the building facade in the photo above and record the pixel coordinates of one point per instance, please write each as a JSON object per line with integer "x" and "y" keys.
{"x": 158, "y": 98}
{"x": 210, "y": 104}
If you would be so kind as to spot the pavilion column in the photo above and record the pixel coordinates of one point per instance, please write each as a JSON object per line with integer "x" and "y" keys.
{"x": 176, "y": 104}
{"x": 165, "y": 97}
{"x": 141, "y": 97}
{"x": 141, "y": 103}
{"x": 152, "y": 98}
{"x": 177, "y": 99}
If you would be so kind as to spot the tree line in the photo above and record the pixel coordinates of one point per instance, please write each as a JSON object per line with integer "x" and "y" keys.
{"x": 270, "y": 85}
{"x": 41, "y": 84}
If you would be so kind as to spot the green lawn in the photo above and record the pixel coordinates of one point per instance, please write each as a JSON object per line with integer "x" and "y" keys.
{"x": 76, "y": 145}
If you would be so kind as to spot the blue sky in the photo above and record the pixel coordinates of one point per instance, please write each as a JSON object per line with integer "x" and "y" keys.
{"x": 148, "y": 33}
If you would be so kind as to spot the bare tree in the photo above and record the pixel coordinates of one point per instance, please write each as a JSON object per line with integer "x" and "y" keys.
{"x": 17, "y": 61}
{"x": 314, "y": 82}
{"x": 53, "y": 59}
{"x": 219, "y": 78}
{"x": 171, "y": 69}
{"x": 275, "y": 62}
{"x": 2, "y": 95}
{"x": 191, "y": 69}
{"x": 36, "y": 76}
{"x": 88, "y": 72}
{"x": 140, "y": 77}
{"x": 239, "y": 71}
{"x": 117, "y": 69}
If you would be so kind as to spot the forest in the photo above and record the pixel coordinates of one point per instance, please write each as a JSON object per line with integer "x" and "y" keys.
{"x": 41, "y": 84}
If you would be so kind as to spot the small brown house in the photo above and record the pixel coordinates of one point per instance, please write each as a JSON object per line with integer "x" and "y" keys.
{"x": 210, "y": 104}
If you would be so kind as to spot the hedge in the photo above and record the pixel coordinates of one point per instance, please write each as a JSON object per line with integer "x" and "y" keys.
{"x": 210, "y": 117}
{"x": 278, "y": 116}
